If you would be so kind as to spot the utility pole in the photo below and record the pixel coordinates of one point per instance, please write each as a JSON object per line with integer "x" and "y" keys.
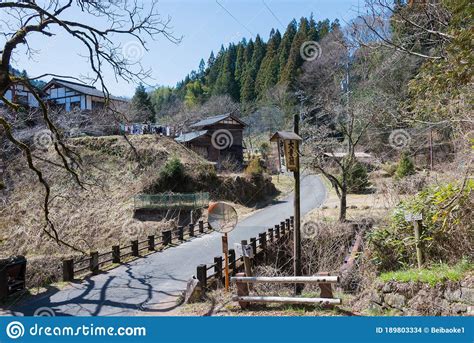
{"x": 297, "y": 228}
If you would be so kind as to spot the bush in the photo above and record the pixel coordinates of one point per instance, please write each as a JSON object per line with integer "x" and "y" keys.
{"x": 389, "y": 168}
{"x": 447, "y": 234}
{"x": 172, "y": 175}
{"x": 357, "y": 178}
{"x": 255, "y": 167}
{"x": 405, "y": 166}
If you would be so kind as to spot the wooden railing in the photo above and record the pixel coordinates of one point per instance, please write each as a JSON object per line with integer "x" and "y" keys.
{"x": 92, "y": 264}
{"x": 278, "y": 234}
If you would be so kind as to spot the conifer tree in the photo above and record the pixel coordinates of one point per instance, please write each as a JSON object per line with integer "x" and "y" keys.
{"x": 141, "y": 104}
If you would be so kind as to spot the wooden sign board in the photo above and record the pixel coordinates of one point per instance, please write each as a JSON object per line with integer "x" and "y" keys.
{"x": 412, "y": 217}
{"x": 291, "y": 155}
{"x": 244, "y": 250}
{"x": 225, "y": 244}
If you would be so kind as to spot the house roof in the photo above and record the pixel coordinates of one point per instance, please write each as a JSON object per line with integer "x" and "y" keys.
{"x": 285, "y": 135}
{"x": 189, "y": 136}
{"x": 81, "y": 88}
{"x": 215, "y": 119}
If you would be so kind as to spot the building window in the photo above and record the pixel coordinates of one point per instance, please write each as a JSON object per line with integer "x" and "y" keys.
{"x": 75, "y": 105}
{"x": 96, "y": 105}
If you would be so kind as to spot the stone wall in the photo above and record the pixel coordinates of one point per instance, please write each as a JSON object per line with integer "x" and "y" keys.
{"x": 421, "y": 299}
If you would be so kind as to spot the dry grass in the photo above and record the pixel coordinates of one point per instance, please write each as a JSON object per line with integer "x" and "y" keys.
{"x": 92, "y": 219}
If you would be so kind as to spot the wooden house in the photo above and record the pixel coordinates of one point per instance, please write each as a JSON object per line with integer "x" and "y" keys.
{"x": 19, "y": 94}
{"x": 71, "y": 96}
{"x": 216, "y": 138}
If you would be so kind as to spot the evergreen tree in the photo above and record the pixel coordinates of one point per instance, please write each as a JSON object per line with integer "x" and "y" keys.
{"x": 248, "y": 89}
{"x": 267, "y": 76}
{"x": 226, "y": 83}
{"x": 141, "y": 104}
{"x": 285, "y": 46}
{"x": 294, "y": 59}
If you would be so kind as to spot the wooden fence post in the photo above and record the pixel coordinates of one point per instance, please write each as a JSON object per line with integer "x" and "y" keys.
{"x": 232, "y": 262}
{"x": 167, "y": 237}
{"x": 253, "y": 243}
{"x": 181, "y": 233}
{"x": 201, "y": 274}
{"x": 94, "y": 262}
{"x": 282, "y": 230}
{"x": 242, "y": 290}
{"x": 277, "y": 232}
{"x": 270, "y": 234}
{"x": 201, "y": 226}
{"x": 3, "y": 283}
{"x": 68, "y": 270}
{"x": 292, "y": 222}
{"x": 151, "y": 243}
{"x": 247, "y": 263}
{"x": 134, "y": 248}
{"x": 263, "y": 240}
{"x": 218, "y": 270}
{"x": 116, "y": 254}
{"x": 191, "y": 230}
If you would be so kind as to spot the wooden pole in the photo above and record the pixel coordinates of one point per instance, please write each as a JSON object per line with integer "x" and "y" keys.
{"x": 417, "y": 225}
{"x": 226, "y": 261}
{"x": 297, "y": 233}
{"x": 247, "y": 263}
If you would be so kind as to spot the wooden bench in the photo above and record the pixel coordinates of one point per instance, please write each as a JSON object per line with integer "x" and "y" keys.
{"x": 324, "y": 281}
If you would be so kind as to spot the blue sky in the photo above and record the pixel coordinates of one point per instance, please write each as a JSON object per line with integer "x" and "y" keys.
{"x": 204, "y": 25}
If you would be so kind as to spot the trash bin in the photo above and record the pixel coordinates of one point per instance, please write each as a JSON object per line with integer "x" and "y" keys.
{"x": 12, "y": 275}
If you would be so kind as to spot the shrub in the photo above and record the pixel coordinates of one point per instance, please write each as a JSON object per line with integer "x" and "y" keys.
{"x": 447, "y": 234}
{"x": 255, "y": 167}
{"x": 172, "y": 175}
{"x": 389, "y": 168}
{"x": 357, "y": 178}
{"x": 405, "y": 166}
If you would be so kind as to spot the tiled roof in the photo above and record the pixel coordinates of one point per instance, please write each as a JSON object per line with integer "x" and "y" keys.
{"x": 189, "y": 136}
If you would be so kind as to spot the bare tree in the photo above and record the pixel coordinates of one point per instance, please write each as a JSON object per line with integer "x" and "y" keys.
{"x": 418, "y": 28}
{"x": 138, "y": 21}
{"x": 333, "y": 127}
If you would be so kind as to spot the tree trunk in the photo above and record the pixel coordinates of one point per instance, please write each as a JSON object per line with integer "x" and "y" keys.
{"x": 343, "y": 205}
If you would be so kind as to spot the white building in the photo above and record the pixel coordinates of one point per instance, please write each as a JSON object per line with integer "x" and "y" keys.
{"x": 20, "y": 95}
{"x": 76, "y": 96}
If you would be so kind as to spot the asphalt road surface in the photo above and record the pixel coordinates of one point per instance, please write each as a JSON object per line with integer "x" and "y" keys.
{"x": 152, "y": 284}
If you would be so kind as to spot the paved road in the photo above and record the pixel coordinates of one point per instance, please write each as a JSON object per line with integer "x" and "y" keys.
{"x": 152, "y": 284}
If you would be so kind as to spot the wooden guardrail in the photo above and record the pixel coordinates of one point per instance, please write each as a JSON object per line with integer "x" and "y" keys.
{"x": 93, "y": 263}
{"x": 324, "y": 281}
{"x": 212, "y": 275}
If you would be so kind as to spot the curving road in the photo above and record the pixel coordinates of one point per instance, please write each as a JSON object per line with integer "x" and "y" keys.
{"x": 152, "y": 284}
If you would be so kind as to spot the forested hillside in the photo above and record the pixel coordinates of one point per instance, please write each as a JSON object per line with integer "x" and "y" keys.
{"x": 247, "y": 70}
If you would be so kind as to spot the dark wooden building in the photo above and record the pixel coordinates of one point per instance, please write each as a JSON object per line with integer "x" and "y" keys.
{"x": 217, "y": 138}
